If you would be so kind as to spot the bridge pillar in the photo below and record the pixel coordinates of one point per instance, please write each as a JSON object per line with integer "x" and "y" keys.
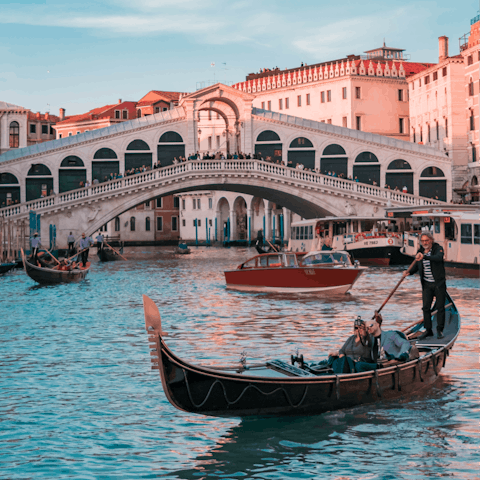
{"x": 190, "y": 142}
{"x": 233, "y": 225}
{"x": 268, "y": 221}
{"x": 249, "y": 225}
{"x": 286, "y": 223}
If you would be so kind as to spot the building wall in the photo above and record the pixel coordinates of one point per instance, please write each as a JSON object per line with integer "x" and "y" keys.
{"x": 7, "y": 116}
{"x": 41, "y": 128}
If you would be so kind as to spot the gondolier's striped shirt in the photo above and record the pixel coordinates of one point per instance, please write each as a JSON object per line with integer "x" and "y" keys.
{"x": 427, "y": 268}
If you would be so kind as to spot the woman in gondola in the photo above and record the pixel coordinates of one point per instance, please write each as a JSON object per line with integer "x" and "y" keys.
{"x": 356, "y": 353}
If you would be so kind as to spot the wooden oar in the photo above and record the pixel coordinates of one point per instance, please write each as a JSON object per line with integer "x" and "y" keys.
{"x": 78, "y": 253}
{"x": 274, "y": 248}
{"x": 116, "y": 251}
{"x": 53, "y": 257}
{"x": 393, "y": 291}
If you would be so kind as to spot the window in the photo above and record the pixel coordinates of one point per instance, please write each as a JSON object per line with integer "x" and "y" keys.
{"x": 159, "y": 224}
{"x": 194, "y": 203}
{"x": 329, "y": 121}
{"x": 164, "y": 109}
{"x": 466, "y": 233}
{"x": 59, "y": 135}
{"x": 287, "y": 103}
{"x": 344, "y": 122}
{"x": 472, "y": 121}
{"x": 469, "y": 60}
{"x": 308, "y": 99}
{"x": 438, "y": 130}
{"x": 444, "y": 71}
{"x": 428, "y": 132}
{"x": 117, "y": 113}
{"x": 210, "y": 142}
{"x": 78, "y": 132}
{"x": 14, "y": 135}
{"x": 435, "y": 76}
{"x": 269, "y": 105}
{"x": 358, "y": 123}
{"x": 413, "y": 134}
{"x": 329, "y": 95}
{"x": 147, "y": 224}
{"x": 280, "y": 104}
{"x": 33, "y": 128}
{"x": 344, "y": 93}
{"x": 174, "y": 224}
{"x": 199, "y": 204}
{"x": 446, "y": 127}
{"x": 132, "y": 224}
{"x": 183, "y": 223}
{"x": 358, "y": 92}
{"x": 52, "y": 131}
{"x": 400, "y": 95}
{"x": 470, "y": 88}
{"x": 117, "y": 224}
{"x": 125, "y": 114}
{"x": 474, "y": 153}
{"x": 183, "y": 204}
{"x": 159, "y": 202}
{"x": 147, "y": 205}
{"x": 299, "y": 101}
{"x": 69, "y": 134}
{"x": 263, "y": 105}
{"x": 322, "y": 97}
{"x": 218, "y": 140}
{"x": 400, "y": 125}
{"x": 44, "y": 129}
{"x": 476, "y": 234}
{"x": 426, "y": 80}
{"x": 157, "y": 110}
{"x": 197, "y": 223}
{"x": 210, "y": 203}
{"x": 176, "y": 202}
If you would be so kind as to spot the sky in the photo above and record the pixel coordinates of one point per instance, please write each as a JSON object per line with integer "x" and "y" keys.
{"x": 82, "y": 55}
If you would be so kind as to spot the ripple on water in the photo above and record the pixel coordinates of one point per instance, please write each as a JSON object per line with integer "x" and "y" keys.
{"x": 78, "y": 398}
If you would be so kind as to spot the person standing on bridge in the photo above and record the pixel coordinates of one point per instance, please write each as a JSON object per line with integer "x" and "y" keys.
{"x": 85, "y": 244}
{"x": 35, "y": 242}
{"x": 71, "y": 244}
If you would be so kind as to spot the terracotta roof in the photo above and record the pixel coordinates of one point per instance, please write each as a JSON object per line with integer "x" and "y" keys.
{"x": 107, "y": 111}
{"x": 154, "y": 96}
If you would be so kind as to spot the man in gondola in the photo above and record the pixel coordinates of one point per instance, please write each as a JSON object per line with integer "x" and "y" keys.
{"x": 35, "y": 241}
{"x": 429, "y": 264}
{"x": 71, "y": 244}
{"x": 99, "y": 240}
{"x": 85, "y": 244}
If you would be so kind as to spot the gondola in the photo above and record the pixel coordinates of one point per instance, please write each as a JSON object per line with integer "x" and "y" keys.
{"x": 6, "y": 267}
{"x": 107, "y": 254}
{"x": 241, "y": 391}
{"x": 182, "y": 249}
{"x": 261, "y": 250}
{"x": 50, "y": 276}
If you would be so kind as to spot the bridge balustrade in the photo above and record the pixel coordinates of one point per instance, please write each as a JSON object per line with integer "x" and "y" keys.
{"x": 243, "y": 166}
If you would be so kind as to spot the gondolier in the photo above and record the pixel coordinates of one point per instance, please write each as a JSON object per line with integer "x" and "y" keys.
{"x": 71, "y": 243}
{"x": 36, "y": 243}
{"x": 99, "y": 240}
{"x": 431, "y": 268}
{"x": 85, "y": 244}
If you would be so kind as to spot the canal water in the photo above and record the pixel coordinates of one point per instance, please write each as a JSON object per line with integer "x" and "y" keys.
{"x": 78, "y": 398}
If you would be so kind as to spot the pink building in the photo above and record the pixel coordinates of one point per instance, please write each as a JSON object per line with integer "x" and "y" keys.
{"x": 368, "y": 93}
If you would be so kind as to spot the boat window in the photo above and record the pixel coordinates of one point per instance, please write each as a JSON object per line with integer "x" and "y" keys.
{"x": 466, "y": 233}
{"x": 310, "y": 232}
{"x": 449, "y": 228}
{"x": 274, "y": 261}
{"x": 290, "y": 260}
{"x": 476, "y": 234}
{"x": 262, "y": 261}
{"x": 437, "y": 225}
{"x": 301, "y": 233}
{"x": 325, "y": 258}
{"x": 250, "y": 263}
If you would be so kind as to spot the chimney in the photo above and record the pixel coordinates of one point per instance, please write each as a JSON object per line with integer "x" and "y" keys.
{"x": 442, "y": 48}
{"x": 62, "y": 114}
{"x": 119, "y": 100}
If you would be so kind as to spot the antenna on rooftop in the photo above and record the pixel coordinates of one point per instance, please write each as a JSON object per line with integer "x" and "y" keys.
{"x": 213, "y": 66}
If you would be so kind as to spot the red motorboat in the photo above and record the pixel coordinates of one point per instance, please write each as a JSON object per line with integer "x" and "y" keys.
{"x": 319, "y": 271}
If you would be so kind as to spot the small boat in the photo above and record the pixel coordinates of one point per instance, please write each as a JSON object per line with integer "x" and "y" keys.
{"x": 278, "y": 388}
{"x": 182, "y": 249}
{"x": 371, "y": 240}
{"x": 6, "y": 267}
{"x": 107, "y": 254}
{"x": 261, "y": 249}
{"x": 318, "y": 271}
{"x": 49, "y": 276}
{"x": 454, "y": 227}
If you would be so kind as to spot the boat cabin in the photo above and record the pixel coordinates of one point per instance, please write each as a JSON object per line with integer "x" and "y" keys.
{"x": 285, "y": 260}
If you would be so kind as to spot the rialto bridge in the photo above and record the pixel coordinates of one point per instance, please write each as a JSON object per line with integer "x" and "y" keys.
{"x": 45, "y": 177}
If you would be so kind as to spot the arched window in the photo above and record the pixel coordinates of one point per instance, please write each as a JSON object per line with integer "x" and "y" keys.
{"x": 7, "y": 178}
{"x": 399, "y": 165}
{"x": 14, "y": 135}
{"x": 474, "y": 181}
{"x": 432, "y": 172}
{"x": 147, "y": 224}
{"x": 433, "y": 184}
{"x": 117, "y": 224}
{"x": 268, "y": 136}
{"x": 470, "y": 88}
{"x": 139, "y": 113}
{"x": 104, "y": 153}
{"x": 132, "y": 224}
{"x": 366, "y": 157}
{"x": 301, "y": 142}
{"x": 334, "y": 150}
{"x": 72, "y": 161}
{"x": 38, "y": 169}
{"x": 171, "y": 137}
{"x": 138, "y": 145}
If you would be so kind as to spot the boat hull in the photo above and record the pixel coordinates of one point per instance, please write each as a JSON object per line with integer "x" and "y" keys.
{"x": 299, "y": 279}
{"x": 107, "y": 255}
{"x": 383, "y": 255}
{"x": 6, "y": 267}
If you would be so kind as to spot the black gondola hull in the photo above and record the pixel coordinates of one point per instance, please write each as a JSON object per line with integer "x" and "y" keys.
{"x": 49, "y": 276}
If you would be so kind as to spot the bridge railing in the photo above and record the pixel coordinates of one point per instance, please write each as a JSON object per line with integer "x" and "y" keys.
{"x": 238, "y": 166}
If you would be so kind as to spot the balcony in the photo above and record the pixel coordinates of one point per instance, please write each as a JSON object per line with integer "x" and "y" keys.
{"x": 463, "y": 41}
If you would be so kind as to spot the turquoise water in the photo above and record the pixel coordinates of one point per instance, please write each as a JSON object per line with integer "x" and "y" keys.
{"x": 78, "y": 398}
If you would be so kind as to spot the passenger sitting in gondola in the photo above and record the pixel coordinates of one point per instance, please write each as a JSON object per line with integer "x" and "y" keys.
{"x": 390, "y": 345}
{"x": 355, "y": 355}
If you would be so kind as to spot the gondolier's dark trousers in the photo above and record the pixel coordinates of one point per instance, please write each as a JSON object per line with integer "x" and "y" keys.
{"x": 85, "y": 257}
{"x": 437, "y": 290}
